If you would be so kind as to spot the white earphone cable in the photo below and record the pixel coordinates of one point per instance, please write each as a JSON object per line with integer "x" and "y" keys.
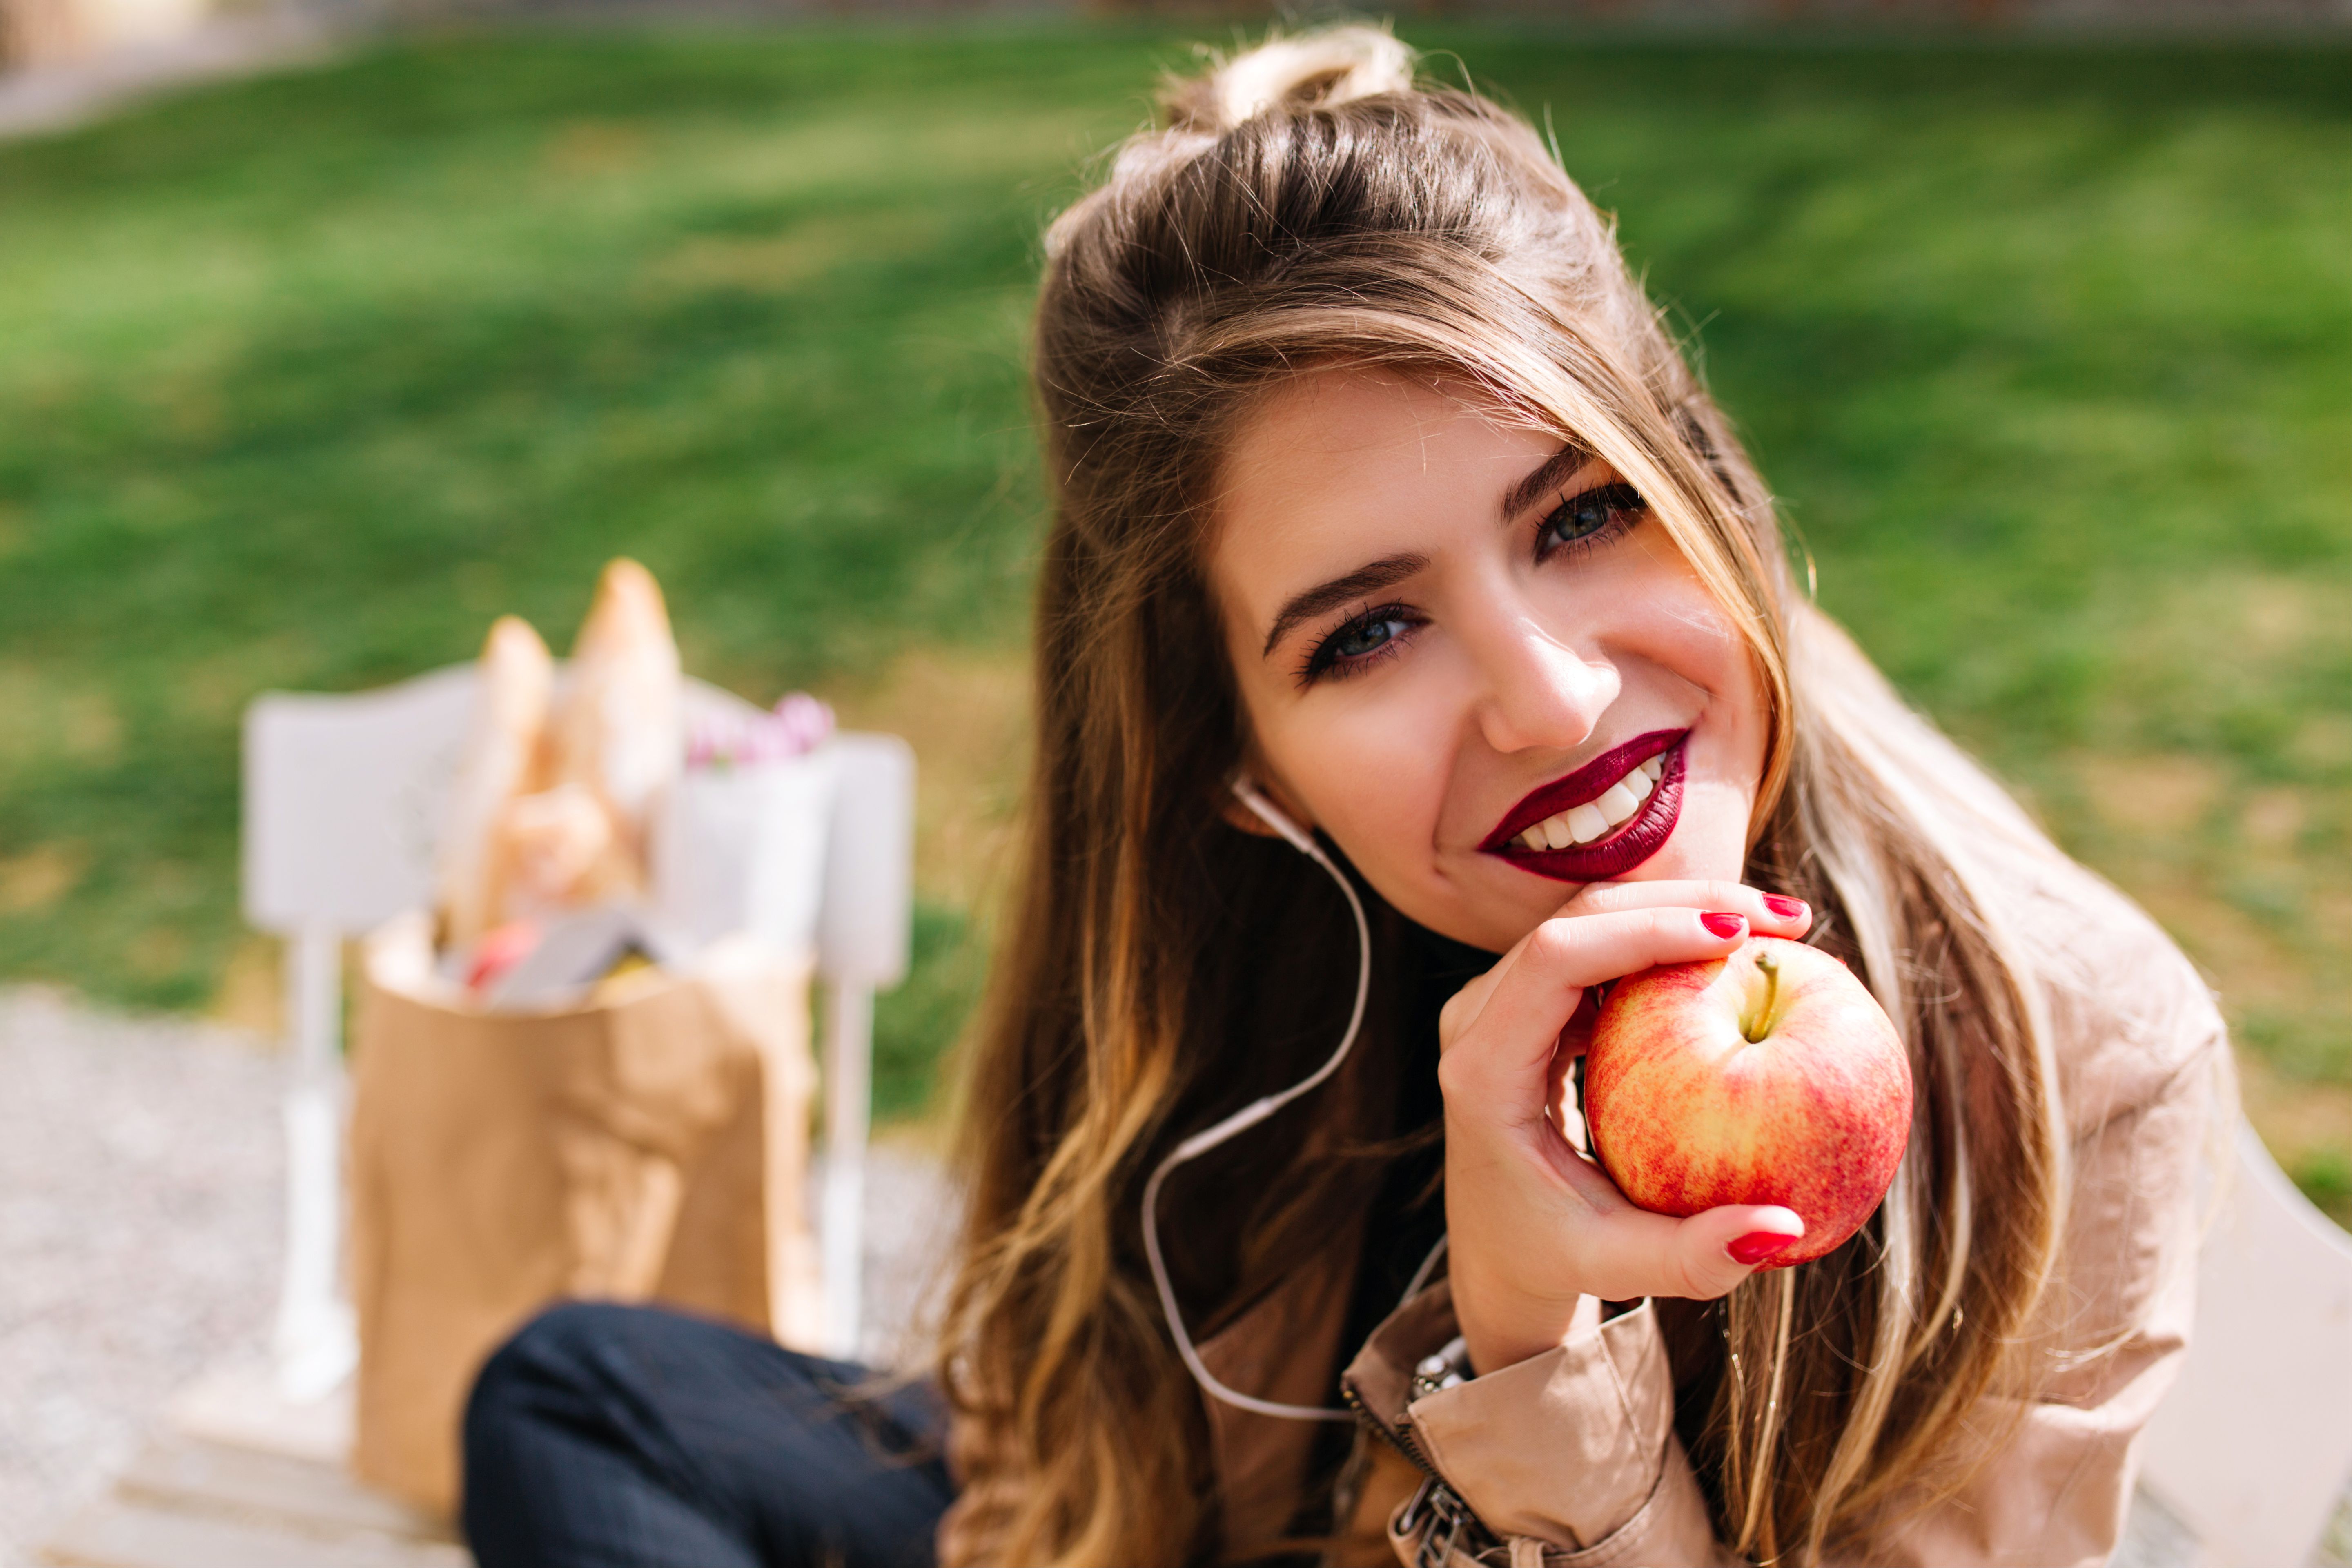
{"x": 1249, "y": 1116}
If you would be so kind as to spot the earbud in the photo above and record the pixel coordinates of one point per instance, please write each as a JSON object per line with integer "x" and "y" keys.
{"x": 1272, "y": 815}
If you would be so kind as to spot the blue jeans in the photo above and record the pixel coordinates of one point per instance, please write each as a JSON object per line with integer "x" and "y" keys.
{"x": 606, "y": 1435}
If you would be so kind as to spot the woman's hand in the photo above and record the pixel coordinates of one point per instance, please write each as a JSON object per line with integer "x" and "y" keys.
{"x": 1533, "y": 1225}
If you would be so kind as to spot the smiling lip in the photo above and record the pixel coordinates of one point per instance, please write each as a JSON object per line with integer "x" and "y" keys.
{"x": 1639, "y": 837}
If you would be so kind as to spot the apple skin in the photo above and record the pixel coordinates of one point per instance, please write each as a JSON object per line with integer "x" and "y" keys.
{"x": 1685, "y": 1113}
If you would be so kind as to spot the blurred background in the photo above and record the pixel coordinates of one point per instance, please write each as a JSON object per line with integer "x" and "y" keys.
{"x": 2035, "y": 314}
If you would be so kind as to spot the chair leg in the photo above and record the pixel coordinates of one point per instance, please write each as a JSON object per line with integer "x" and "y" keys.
{"x": 848, "y": 1104}
{"x": 315, "y": 1346}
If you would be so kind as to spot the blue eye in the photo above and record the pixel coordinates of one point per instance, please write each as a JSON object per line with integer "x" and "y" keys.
{"x": 1586, "y": 516}
{"x": 1361, "y": 643}
{"x": 1364, "y": 636}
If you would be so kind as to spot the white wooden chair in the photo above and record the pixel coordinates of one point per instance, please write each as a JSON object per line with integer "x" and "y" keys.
{"x": 343, "y": 798}
{"x": 2252, "y": 1450}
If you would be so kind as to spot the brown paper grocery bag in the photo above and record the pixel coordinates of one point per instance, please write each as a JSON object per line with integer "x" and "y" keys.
{"x": 653, "y": 1148}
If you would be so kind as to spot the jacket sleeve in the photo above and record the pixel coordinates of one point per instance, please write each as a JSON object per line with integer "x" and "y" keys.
{"x": 1567, "y": 1457}
{"x": 1570, "y": 1457}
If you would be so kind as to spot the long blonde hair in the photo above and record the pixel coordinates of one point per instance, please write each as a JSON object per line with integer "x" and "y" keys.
{"x": 1309, "y": 203}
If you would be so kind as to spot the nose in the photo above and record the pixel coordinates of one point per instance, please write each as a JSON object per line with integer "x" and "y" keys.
{"x": 1538, "y": 690}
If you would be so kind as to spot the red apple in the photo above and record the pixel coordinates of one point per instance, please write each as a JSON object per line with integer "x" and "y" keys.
{"x": 1769, "y": 1077}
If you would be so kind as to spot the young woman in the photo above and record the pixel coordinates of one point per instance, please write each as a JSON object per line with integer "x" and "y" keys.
{"x": 1399, "y": 563}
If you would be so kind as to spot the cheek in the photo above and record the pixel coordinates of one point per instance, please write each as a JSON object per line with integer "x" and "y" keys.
{"x": 1717, "y": 659}
{"x": 1724, "y": 667}
{"x": 1372, "y": 765}
{"x": 1671, "y": 621}
{"x": 1671, "y": 624}
{"x": 1693, "y": 647}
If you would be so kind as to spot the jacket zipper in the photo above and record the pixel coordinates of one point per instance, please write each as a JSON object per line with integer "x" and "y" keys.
{"x": 1448, "y": 1513}
{"x": 1399, "y": 1436}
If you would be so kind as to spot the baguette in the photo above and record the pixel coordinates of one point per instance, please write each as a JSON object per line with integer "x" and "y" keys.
{"x": 617, "y": 731}
{"x": 500, "y": 760}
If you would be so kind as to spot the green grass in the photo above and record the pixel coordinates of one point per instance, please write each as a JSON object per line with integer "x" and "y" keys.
{"x": 303, "y": 380}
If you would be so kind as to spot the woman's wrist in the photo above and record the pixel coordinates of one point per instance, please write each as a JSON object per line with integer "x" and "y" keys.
{"x": 1494, "y": 1340}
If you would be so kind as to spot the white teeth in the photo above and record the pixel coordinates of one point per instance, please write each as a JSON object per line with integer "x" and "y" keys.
{"x": 1613, "y": 808}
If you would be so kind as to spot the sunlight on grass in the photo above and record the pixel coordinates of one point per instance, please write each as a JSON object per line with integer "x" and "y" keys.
{"x": 303, "y": 380}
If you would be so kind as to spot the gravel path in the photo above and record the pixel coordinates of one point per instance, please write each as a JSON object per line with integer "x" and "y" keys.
{"x": 140, "y": 1163}
{"x": 139, "y": 1234}
{"x": 50, "y": 98}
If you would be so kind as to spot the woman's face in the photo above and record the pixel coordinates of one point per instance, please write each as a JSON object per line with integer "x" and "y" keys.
{"x": 1471, "y": 657}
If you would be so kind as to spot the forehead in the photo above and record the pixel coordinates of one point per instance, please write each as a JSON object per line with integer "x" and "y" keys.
{"x": 1346, "y": 465}
{"x": 1368, "y": 428}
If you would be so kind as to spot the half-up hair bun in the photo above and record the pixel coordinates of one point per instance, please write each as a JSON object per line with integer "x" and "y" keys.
{"x": 1314, "y": 70}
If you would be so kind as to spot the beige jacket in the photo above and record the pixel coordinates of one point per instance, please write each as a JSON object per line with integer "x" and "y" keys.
{"x": 1572, "y": 1457}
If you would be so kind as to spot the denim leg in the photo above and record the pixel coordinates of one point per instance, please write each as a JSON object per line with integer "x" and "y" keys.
{"x": 604, "y": 1434}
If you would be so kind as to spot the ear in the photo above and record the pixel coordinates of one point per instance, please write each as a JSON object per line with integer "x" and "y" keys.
{"x": 1236, "y": 815}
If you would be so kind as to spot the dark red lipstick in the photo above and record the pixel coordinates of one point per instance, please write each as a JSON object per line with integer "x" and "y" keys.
{"x": 1633, "y": 841}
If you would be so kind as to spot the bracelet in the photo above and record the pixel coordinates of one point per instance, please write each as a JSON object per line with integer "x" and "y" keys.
{"x": 1449, "y": 1368}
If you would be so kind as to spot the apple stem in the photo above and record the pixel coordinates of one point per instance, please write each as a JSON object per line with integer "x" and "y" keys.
{"x": 1772, "y": 969}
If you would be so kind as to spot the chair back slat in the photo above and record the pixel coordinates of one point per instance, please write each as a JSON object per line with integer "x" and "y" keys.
{"x": 867, "y": 914}
{"x": 345, "y": 796}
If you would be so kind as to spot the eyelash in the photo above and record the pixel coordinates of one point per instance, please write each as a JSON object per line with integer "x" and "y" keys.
{"x": 1625, "y": 509}
{"x": 1625, "y": 506}
{"x": 1323, "y": 661}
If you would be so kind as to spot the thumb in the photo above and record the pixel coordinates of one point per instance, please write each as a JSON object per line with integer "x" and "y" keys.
{"x": 1718, "y": 1248}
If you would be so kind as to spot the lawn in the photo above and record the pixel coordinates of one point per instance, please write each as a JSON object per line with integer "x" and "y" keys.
{"x": 303, "y": 380}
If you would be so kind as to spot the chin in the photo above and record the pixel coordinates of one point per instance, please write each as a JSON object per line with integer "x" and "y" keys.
{"x": 1706, "y": 865}
{"x": 1709, "y": 843}
{"x": 1502, "y": 918}
{"x": 1474, "y": 906}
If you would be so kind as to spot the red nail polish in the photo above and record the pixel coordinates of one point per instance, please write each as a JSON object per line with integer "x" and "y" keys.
{"x": 1724, "y": 925}
{"x": 1758, "y": 1244}
{"x": 1787, "y": 909}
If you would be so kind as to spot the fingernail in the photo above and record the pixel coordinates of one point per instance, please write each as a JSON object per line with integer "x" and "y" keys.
{"x": 1724, "y": 925}
{"x": 1758, "y": 1244}
{"x": 1787, "y": 909}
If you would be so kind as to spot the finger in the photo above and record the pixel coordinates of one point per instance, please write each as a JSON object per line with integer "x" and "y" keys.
{"x": 1560, "y": 1094}
{"x": 1577, "y": 1037}
{"x": 1591, "y": 1183}
{"x": 1714, "y": 1251}
{"x": 1770, "y": 914}
{"x": 1561, "y": 1097}
{"x": 1632, "y": 1254}
{"x": 1461, "y": 1009}
{"x": 1528, "y": 1002}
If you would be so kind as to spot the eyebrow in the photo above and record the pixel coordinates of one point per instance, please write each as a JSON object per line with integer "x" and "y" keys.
{"x": 1554, "y": 471}
{"x": 1388, "y": 570}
